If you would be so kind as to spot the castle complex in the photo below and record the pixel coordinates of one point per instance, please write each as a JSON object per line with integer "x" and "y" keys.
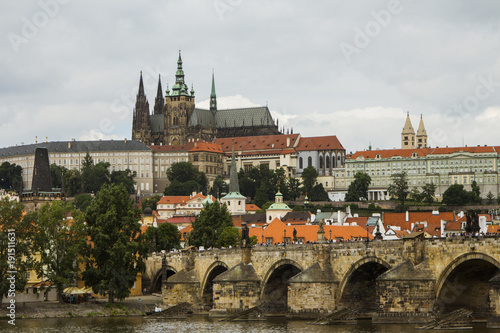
{"x": 176, "y": 120}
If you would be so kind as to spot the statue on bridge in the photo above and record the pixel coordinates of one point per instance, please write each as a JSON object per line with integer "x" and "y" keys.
{"x": 472, "y": 225}
{"x": 294, "y": 235}
{"x": 245, "y": 238}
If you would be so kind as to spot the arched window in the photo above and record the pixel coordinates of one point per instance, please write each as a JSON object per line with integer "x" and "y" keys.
{"x": 333, "y": 162}
{"x": 309, "y": 161}
{"x": 327, "y": 162}
{"x": 176, "y": 121}
{"x": 301, "y": 166}
{"x": 321, "y": 162}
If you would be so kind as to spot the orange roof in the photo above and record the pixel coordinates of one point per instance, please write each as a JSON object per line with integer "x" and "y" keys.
{"x": 186, "y": 230}
{"x": 453, "y": 226}
{"x": 251, "y": 207}
{"x": 388, "y": 153}
{"x": 493, "y": 229}
{"x": 180, "y": 219}
{"x": 173, "y": 199}
{"x": 361, "y": 220}
{"x": 206, "y": 146}
{"x": 262, "y": 142}
{"x": 276, "y": 231}
{"x": 319, "y": 143}
{"x": 399, "y": 219}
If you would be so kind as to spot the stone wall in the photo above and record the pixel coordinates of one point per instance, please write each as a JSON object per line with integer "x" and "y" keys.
{"x": 311, "y": 299}
{"x": 176, "y": 293}
{"x": 235, "y": 296}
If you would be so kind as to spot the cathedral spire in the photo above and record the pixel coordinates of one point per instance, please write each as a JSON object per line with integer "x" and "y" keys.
{"x": 421, "y": 134}
{"x": 234, "y": 186}
{"x": 213, "y": 97}
{"x": 141, "y": 88}
{"x": 408, "y": 134}
{"x": 179, "y": 88}
{"x": 159, "y": 101}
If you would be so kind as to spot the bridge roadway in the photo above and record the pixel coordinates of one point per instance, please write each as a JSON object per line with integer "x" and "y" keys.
{"x": 391, "y": 281}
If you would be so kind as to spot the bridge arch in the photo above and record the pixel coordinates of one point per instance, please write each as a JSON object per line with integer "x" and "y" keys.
{"x": 464, "y": 283}
{"x": 216, "y": 268}
{"x": 357, "y": 289}
{"x": 155, "y": 286}
{"x": 274, "y": 290}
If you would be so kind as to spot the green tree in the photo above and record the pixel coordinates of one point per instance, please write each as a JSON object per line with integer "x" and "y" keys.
{"x": 229, "y": 236}
{"x": 126, "y": 178}
{"x": 318, "y": 193}
{"x": 399, "y": 188}
{"x": 358, "y": 189}
{"x": 82, "y": 201}
{"x": 167, "y": 237}
{"x": 415, "y": 195}
{"x": 94, "y": 177}
{"x": 309, "y": 176}
{"x": 475, "y": 193}
{"x": 150, "y": 202}
{"x": 261, "y": 196}
{"x": 490, "y": 198}
{"x": 218, "y": 186}
{"x": 208, "y": 226}
{"x": 455, "y": 195}
{"x": 56, "y": 175}
{"x": 15, "y": 234}
{"x": 73, "y": 182}
{"x": 428, "y": 191}
{"x": 11, "y": 176}
{"x": 293, "y": 185}
{"x": 58, "y": 240}
{"x": 184, "y": 179}
{"x": 117, "y": 250}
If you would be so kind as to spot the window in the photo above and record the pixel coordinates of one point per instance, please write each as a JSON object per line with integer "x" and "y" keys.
{"x": 309, "y": 161}
{"x": 321, "y": 162}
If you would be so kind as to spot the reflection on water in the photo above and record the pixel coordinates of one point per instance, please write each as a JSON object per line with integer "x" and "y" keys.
{"x": 200, "y": 324}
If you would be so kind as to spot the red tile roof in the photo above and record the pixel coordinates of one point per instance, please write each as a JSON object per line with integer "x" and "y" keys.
{"x": 258, "y": 143}
{"x": 493, "y": 229}
{"x": 388, "y": 153}
{"x": 206, "y": 146}
{"x": 276, "y": 230}
{"x": 180, "y": 219}
{"x": 251, "y": 207}
{"x": 319, "y": 143}
{"x": 185, "y": 230}
{"x": 173, "y": 199}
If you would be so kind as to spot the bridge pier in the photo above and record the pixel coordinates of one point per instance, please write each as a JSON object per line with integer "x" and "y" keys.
{"x": 406, "y": 294}
{"x": 494, "y": 297}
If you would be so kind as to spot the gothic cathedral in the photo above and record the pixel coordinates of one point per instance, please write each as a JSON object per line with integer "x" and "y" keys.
{"x": 176, "y": 120}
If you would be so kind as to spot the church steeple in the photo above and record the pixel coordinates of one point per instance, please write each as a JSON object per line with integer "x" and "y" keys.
{"x": 408, "y": 134}
{"x": 213, "y": 97}
{"x": 159, "y": 100}
{"x": 141, "y": 88}
{"x": 421, "y": 134}
{"x": 234, "y": 185}
{"x": 179, "y": 88}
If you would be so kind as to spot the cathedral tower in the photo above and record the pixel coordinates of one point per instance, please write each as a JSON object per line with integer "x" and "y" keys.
{"x": 179, "y": 106}
{"x": 408, "y": 134}
{"x": 159, "y": 100}
{"x": 141, "y": 128}
{"x": 213, "y": 98}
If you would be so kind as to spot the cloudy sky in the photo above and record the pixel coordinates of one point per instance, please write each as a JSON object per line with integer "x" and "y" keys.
{"x": 70, "y": 68}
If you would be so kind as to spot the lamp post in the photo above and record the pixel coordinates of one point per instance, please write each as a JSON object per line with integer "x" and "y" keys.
{"x": 284, "y": 237}
{"x": 330, "y": 235}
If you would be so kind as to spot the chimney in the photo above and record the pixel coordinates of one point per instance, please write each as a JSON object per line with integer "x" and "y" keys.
{"x": 407, "y": 216}
{"x": 69, "y": 145}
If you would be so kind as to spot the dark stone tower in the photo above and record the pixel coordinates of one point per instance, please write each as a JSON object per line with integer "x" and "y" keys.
{"x": 141, "y": 128}
{"x": 159, "y": 100}
{"x": 213, "y": 98}
{"x": 41, "y": 181}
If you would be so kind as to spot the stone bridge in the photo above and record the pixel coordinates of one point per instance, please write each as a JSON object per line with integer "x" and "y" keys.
{"x": 391, "y": 281}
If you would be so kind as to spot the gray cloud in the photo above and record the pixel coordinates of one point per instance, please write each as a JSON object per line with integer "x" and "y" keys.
{"x": 76, "y": 73}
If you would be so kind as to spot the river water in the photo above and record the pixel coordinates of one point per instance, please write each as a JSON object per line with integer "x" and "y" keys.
{"x": 201, "y": 324}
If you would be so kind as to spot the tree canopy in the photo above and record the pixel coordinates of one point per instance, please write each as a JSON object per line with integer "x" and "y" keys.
{"x": 358, "y": 189}
{"x": 59, "y": 237}
{"x": 309, "y": 176}
{"x": 117, "y": 250}
{"x": 14, "y": 244}
{"x": 56, "y": 175}
{"x": 399, "y": 188}
{"x": 11, "y": 176}
{"x": 209, "y": 225}
{"x": 165, "y": 237}
{"x": 185, "y": 179}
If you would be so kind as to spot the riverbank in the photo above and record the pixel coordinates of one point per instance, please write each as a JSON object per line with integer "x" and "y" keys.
{"x": 131, "y": 306}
